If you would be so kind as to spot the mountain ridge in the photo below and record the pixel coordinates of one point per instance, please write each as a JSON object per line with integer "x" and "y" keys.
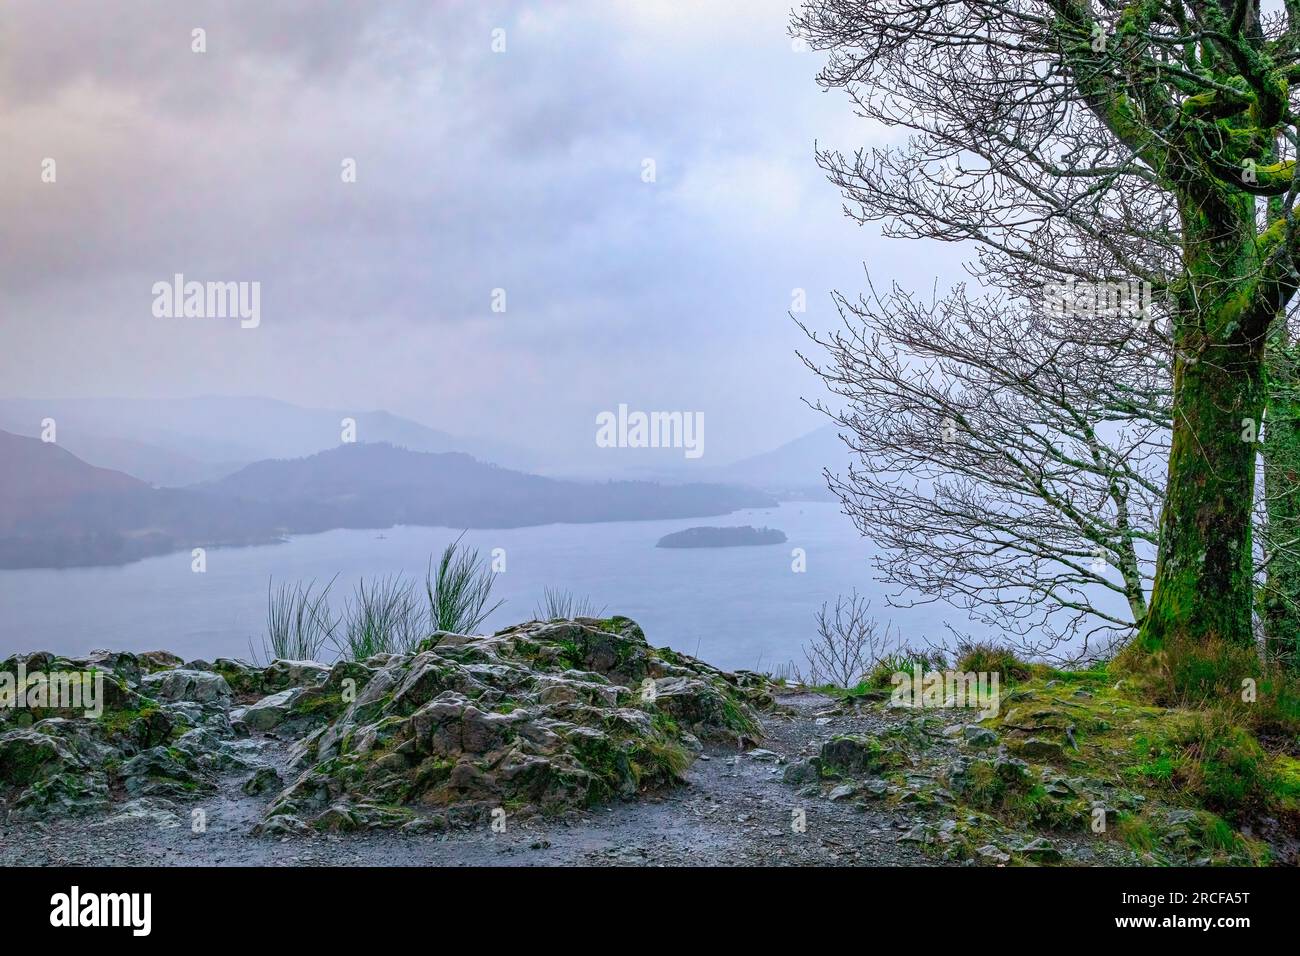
{"x": 59, "y": 511}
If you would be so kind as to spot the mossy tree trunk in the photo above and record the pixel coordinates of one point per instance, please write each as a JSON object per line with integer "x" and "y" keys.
{"x": 1279, "y": 606}
{"x": 1173, "y": 120}
{"x": 1204, "y": 592}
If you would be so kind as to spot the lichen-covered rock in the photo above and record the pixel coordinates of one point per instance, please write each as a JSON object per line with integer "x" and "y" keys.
{"x": 1061, "y": 775}
{"x": 63, "y": 794}
{"x": 539, "y": 718}
{"x": 30, "y": 755}
{"x": 244, "y": 679}
{"x": 270, "y": 711}
{"x": 263, "y": 780}
{"x": 978, "y": 737}
{"x": 990, "y": 855}
{"x": 151, "y": 661}
{"x": 857, "y": 754}
{"x": 164, "y": 772}
{"x": 536, "y": 718}
{"x": 283, "y": 674}
{"x": 47, "y": 776}
{"x": 1039, "y": 850}
{"x": 1036, "y": 748}
{"x": 200, "y": 687}
{"x": 122, "y": 665}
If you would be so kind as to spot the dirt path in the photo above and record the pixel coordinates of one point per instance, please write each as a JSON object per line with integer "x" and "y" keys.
{"x": 733, "y": 809}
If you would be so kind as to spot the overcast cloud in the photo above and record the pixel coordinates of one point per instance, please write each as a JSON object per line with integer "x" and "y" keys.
{"x": 477, "y": 170}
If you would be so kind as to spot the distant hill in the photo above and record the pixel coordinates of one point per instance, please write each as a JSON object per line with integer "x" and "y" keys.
{"x": 153, "y": 464}
{"x": 37, "y": 480}
{"x": 58, "y": 511}
{"x": 184, "y": 441}
{"x": 370, "y": 485}
{"x": 795, "y": 468}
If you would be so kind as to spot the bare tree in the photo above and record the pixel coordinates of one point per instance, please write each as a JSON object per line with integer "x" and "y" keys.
{"x": 1097, "y": 141}
{"x": 848, "y": 644}
{"x": 1008, "y": 462}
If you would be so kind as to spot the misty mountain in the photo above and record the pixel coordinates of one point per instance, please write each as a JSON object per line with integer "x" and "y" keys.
{"x": 370, "y": 485}
{"x": 58, "y": 511}
{"x": 185, "y": 441}
{"x": 152, "y": 464}
{"x": 795, "y": 468}
{"x": 792, "y": 471}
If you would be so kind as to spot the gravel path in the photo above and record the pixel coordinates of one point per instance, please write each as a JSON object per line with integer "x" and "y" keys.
{"x": 733, "y": 809}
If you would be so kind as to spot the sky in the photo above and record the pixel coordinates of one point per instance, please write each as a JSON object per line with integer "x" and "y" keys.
{"x": 638, "y": 177}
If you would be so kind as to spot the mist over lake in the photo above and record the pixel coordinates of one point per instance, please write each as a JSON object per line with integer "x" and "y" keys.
{"x": 740, "y": 607}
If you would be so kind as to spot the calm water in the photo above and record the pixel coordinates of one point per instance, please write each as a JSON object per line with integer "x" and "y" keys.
{"x": 738, "y": 607}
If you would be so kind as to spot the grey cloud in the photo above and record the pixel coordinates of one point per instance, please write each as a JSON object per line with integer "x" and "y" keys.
{"x": 476, "y": 171}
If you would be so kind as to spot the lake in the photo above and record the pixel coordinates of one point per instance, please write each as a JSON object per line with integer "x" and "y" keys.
{"x": 734, "y": 607}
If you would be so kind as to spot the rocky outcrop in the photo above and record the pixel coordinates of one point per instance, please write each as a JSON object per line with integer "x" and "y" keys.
{"x": 534, "y": 719}
{"x": 540, "y": 718}
{"x": 1065, "y": 773}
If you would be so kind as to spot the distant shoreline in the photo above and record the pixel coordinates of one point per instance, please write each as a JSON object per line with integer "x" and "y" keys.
{"x": 741, "y": 536}
{"x": 134, "y": 552}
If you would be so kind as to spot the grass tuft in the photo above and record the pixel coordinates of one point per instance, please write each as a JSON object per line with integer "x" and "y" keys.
{"x": 385, "y": 617}
{"x": 559, "y": 604}
{"x": 985, "y": 657}
{"x": 459, "y": 590}
{"x": 299, "y": 622}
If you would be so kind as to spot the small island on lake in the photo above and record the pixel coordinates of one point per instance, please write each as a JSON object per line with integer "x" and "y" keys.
{"x": 736, "y": 537}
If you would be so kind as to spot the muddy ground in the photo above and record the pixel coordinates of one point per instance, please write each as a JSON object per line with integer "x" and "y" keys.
{"x": 733, "y": 809}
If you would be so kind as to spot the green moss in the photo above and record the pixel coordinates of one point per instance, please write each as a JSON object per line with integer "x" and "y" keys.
{"x": 138, "y": 724}
{"x": 1195, "y": 775}
{"x": 1136, "y": 832}
{"x": 735, "y": 717}
{"x": 847, "y": 754}
{"x": 431, "y": 773}
{"x": 660, "y": 761}
{"x": 571, "y": 656}
{"x": 1091, "y": 677}
{"x": 1223, "y": 764}
{"x": 609, "y": 762}
{"x": 666, "y": 725}
{"x": 982, "y": 786}
{"x": 319, "y": 704}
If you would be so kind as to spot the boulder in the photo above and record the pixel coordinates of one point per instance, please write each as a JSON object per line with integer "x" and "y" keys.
{"x": 992, "y": 856}
{"x": 163, "y": 772}
{"x": 1040, "y": 850}
{"x": 978, "y": 737}
{"x": 858, "y": 754}
{"x": 1036, "y": 748}
{"x": 262, "y": 780}
{"x": 271, "y": 711}
{"x": 541, "y": 717}
{"x": 200, "y": 687}
{"x": 281, "y": 674}
{"x": 30, "y": 755}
